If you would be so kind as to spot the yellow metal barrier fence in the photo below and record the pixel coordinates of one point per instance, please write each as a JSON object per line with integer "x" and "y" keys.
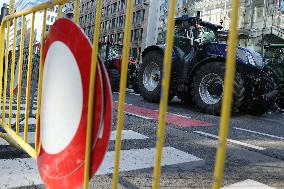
{"x": 14, "y": 133}
{"x": 33, "y": 150}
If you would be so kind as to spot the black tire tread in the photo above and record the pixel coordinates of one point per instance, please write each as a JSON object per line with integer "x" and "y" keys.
{"x": 152, "y": 96}
{"x": 217, "y": 68}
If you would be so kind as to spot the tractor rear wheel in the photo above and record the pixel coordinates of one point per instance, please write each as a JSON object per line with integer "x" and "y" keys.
{"x": 208, "y": 88}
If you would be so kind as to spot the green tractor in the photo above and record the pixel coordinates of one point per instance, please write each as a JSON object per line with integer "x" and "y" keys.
{"x": 275, "y": 55}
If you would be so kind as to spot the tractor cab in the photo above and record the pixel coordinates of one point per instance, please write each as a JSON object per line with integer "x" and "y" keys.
{"x": 191, "y": 32}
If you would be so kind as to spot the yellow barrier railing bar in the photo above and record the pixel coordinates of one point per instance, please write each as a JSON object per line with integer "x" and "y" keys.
{"x": 2, "y": 36}
{"x": 77, "y": 11}
{"x": 29, "y": 79}
{"x": 18, "y": 139}
{"x": 40, "y": 81}
{"x": 59, "y": 13}
{"x": 8, "y": 139}
{"x": 12, "y": 72}
{"x": 6, "y": 74}
{"x": 4, "y": 26}
{"x": 94, "y": 63}
{"x": 121, "y": 101}
{"x": 227, "y": 99}
{"x": 164, "y": 94}
{"x": 36, "y": 8}
{"x": 21, "y": 58}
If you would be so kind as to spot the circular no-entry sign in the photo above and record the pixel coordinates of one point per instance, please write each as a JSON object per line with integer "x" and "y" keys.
{"x": 63, "y": 118}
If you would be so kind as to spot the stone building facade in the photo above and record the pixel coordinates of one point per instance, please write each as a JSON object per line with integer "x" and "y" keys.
{"x": 260, "y": 21}
{"x": 113, "y": 21}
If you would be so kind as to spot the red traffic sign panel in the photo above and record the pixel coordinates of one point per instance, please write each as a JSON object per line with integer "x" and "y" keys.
{"x": 63, "y": 117}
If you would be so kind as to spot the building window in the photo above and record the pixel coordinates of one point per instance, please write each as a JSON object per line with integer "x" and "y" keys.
{"x": 121, "y": 21}
{"x": 138, "y": 2}
{"x": 108, "y": 10}
{"x": 114, "y": 7}
{"x": 123, "y": 5}
{"x": 136, "y": 35}
{"x": 141, "y": 34}
{"x": 113, "y": 23}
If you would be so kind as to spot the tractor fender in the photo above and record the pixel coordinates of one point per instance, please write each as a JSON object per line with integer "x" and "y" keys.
{"x": 240, "y": 66}
{"x": 160, "y": 48}
{"x": 196, "y": 66}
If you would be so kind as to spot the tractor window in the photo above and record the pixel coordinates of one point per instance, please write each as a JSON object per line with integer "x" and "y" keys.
{"x": 180, "y": 31}
{"x": 207, "y": 34}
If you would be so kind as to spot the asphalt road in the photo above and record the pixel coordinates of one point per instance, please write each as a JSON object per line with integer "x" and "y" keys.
{"x": 255, "y": 150}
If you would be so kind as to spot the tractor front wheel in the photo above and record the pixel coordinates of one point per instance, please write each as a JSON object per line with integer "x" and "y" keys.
{"x": 208, "y": 88}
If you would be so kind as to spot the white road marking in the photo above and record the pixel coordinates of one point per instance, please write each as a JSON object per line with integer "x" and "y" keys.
{"x": 15, "y": 105}
{"x": 23, "y": 172}
{"x": 264, "y": 134}
{"x": 144, "y": 158}
{"x": 248, "y": 184}
{"x": 126, "y": 135}
{"x": 140, "y": 116}
{"x": 231, "y": 141}
{"x": 13, "y": 121}
{"x": 22, "y": 112}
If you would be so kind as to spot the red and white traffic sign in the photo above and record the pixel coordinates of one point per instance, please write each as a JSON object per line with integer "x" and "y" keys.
{"x": 63, "y": 118}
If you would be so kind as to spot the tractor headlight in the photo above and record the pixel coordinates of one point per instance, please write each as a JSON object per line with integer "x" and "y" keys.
{"x": 250, "y": 58}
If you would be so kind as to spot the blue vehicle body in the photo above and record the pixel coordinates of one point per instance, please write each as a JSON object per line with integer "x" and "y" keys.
{"x": 189, "y": 57}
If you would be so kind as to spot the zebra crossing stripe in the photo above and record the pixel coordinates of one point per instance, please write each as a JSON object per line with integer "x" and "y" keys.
{"x": 126, "y": 135}
{"x": 144, "y": 158}
{"x": 21, "y": 172}
{"x": 248, "y": 184}
{"x": 32, "y": 121}
{"x": 23, "y": 112}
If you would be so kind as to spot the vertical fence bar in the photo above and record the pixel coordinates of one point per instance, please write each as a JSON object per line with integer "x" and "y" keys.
{"x": 164, "y": 94}
{"x": 77, "y": 11}
{"x": 2, "y": 36}
{"x": 121, "y": 101}
{"x": 91, "y": 93}
{"x": 30, "y": 61}
{"x": 20, "y": 73}
{"x": 227, "y": 99}
{"x": 12, "y": 72}
{"x": 6, "y": 73}
{"x": 59, "y": 13}
{"x": 40, "y": 81}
